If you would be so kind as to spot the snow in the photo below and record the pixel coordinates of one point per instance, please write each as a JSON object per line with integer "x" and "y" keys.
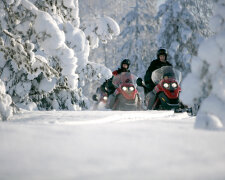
{"x": 9, "y": 2}
{"x": 54, "y": 45}
{"x": 214, "y": 107}
{"x": 109, "y": 145}
{"x": 30, "y": 106}
{"x": 5, "y": 101}
{"x": 208, "y": 76}
{"x": 46, "y": 26}
{"x": 192, "y": 84}
{"x": 69, "y": 4}
{"x": 103, "y": 28}
{"x": 23, "y": 27}
{"x": 47, "y": 85}
{"x": 177, "y": 8}
{"x": 28, "y": 5}
{"x": 22, "y": 88}
{"x": 105, "y": 144}
{"x": 108, "y": 27}
{"x": 2, "y": 63}
{"x": 208, "y": 121}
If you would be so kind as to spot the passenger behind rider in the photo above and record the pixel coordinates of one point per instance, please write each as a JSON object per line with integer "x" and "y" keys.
{"x": 155, "y": 64}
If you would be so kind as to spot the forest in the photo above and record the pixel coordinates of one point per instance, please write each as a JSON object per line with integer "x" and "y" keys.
{"x": 55, "y": 53}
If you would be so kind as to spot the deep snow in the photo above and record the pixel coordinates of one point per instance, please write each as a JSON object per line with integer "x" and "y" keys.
{"x": 106, "y": 145}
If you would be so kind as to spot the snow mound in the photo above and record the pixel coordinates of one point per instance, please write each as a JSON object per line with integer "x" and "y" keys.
{"x": 5, "y": 101}
{"x": 208, "y": 121}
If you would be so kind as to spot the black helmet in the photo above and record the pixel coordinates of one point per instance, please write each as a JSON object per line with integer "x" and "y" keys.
{"x": 125, "y": 61}
{"x": 161, "y": 52}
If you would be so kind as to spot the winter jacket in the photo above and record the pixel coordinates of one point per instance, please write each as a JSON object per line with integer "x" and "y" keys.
{"x": 119, "y": 71}
{"x": 155, "y": 64}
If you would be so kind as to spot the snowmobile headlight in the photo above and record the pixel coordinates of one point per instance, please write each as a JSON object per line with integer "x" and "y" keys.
{"x": 131, "y": 88}
{"x": 105, "y": 98}
{"x": 174, "y": 85}
{"x": 166, "y": 85}
{"x": 124, "y": 88}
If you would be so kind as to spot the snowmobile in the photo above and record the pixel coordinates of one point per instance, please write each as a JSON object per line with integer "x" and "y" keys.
{"x": 100, "y": 98}
{"x": 166, "y": 92}
{"x": 126, "y": 96}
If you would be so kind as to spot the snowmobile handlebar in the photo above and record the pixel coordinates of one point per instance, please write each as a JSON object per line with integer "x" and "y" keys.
{"x": 141, "y": 83}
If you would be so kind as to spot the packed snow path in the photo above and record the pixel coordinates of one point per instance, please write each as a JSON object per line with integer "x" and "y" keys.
{"x": 106, "y": 145}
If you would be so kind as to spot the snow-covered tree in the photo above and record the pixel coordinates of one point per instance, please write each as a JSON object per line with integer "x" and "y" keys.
{"x": 5, "y": 101}
{"x": 205, "y": 84}
{"x": 183, "y": 26}
{"x": 101, "y": 29}
{"x": 105, "y": 54}
{"x": 138, "y": 35}
{"x": 43, "y": 52}
{"x": 136, "y": 18}
{"x": 93, "y": 31}
{"x": 37, "y": 65}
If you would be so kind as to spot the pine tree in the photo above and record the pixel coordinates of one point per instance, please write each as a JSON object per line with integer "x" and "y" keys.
{"x": 143, "y": 46}
{"x": 104, "y": 54}
{"x": 138, "y": 35}
{"x": 183, "y": 26}
{"x": 205, "y": 84}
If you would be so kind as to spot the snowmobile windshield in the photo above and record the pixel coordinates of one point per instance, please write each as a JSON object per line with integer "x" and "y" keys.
{"x": 166, "y": 71}
{"x": 124, "y": 78}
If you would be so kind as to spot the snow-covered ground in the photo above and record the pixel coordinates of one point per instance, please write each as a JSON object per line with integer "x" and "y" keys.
{"x": 106, "y": 145}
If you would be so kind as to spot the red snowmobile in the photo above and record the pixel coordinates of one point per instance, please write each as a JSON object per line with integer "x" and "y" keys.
{"x": 126, "y": 95}
{"x": 167, "y": 89}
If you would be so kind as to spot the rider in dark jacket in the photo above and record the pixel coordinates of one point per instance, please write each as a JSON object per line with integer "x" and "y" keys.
{"x": 155, "y": 64}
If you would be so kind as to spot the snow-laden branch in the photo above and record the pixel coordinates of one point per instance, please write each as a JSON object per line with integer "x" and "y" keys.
{"x": 102, "y": 28}
{"x": 25, "y": 58}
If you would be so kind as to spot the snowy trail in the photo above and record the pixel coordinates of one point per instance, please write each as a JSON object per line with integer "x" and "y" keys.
{"x": 106, "y": 145}
{"x": 95, "y": 117}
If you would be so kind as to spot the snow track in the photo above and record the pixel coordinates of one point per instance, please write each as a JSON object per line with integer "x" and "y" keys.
{"x": 94, "y": 117}
{"x": 109, "y": 145}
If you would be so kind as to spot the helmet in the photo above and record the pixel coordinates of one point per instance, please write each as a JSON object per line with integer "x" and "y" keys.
{"x": 125, "y": 61}
{"x": 161, "y": 52}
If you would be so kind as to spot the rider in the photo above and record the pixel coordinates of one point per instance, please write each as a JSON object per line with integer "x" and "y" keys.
{"x": 108, "y": 86}
{"x": 124, "y": 67}
{"x": 155, "y": 64}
